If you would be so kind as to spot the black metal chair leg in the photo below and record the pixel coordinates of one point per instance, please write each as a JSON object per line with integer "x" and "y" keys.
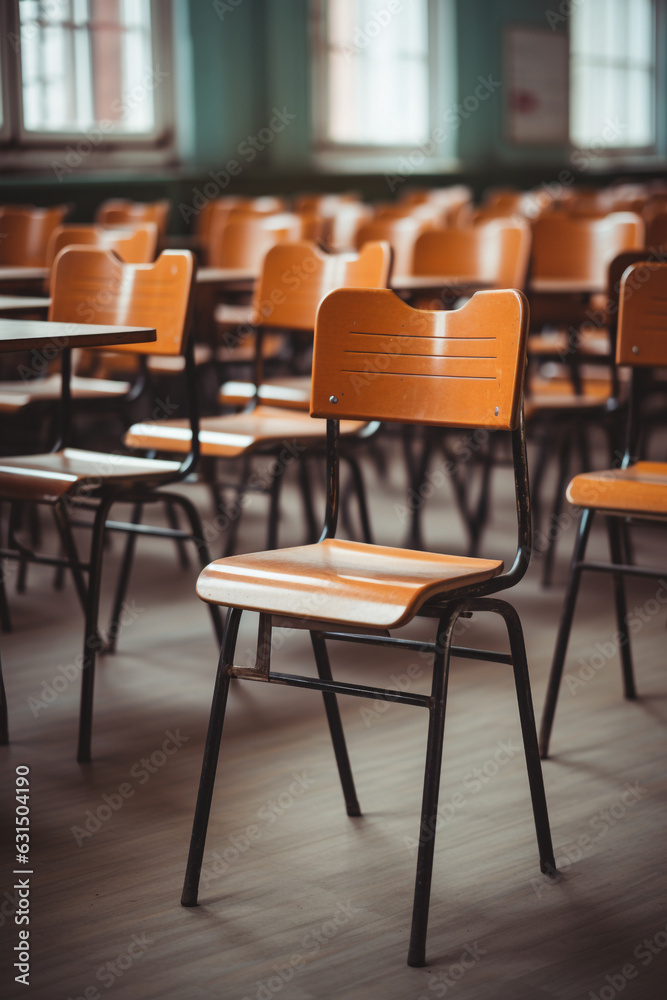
{"x": 274, "y": 510}
{"x": 204, "y": 554}
{"x": 233, "y": 529}
{"x": 172, "y": 519}
{"x": 71, "y": 552}
{"x": 5, "y": 616}
{"x": 529, "y": 733}
{"x": 4, "y": 720}
{"x": 434, "y": 746}
{"x": 92, "y": 642}
{"x": 537, "y": 479}
{"x": 552, "y": 533}
{"x": 307, "y": 497}
{"x": 123, "y": 580}
{"x": 616, "y": 552}
{"x": 357, "y": 478}
{"x": 210, "y": 761}
{"x": 419, "y": 470}
{"x": 335, "y": 726}
{"x": 564, "y": 628}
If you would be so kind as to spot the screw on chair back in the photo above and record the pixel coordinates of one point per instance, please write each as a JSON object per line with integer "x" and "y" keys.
{"x": 92, "y": 285}
{"x": 567, "y": 247}
{"x": 496, "y": 252}
{"x": 297, "y": 275}
{"x": 25, "y": 233}
{"x": 135, "y": 245}
{"x": 376, "y": 358}
{"x": 121, "y": 212}
{"x": 242, "y": 239}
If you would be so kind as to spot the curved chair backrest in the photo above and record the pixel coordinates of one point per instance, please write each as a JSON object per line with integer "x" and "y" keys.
{"x": 377, "y": 358}
{"x": 25, "y": 233}
{"x": 297, "y": 276}
{"x": 242, "y": 239}
{"x": 642, "y": 316}
{"x": 656, "y": 230}
{"x": 400, "y": 233}
{"x": 344, "y": 223}
{"x": 121, "y": 212}
{"x": 91, "y": 285}
{"x": 572, "y": 247}
{"x": 135, "y": 246}
{"x": 496, "y": 252}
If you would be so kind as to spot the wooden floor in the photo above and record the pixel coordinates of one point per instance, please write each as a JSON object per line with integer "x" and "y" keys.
{"x": 298, "y": 900}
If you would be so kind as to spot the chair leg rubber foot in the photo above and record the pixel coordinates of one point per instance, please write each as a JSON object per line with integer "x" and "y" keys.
{"x": 353, "y": 809}
{"x": 187, "y": 900}
{"x": 548, "y": 866}
{"x": 416, "y": 960}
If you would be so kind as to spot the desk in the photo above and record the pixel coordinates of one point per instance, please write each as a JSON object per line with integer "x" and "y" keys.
{"x": 16, "y": 304}
{"x": 437, "y": 283}
{"x": 26, "y": 334}
{"x": 566, "y": 286}
{"x": 23, "y": 280}
{"x": 227, "y": 278}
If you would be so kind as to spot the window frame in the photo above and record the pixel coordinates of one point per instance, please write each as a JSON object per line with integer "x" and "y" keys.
{"x": 625, "y": 152}
{"x": 19, "y": 145}
{"x": 442, "y": 79}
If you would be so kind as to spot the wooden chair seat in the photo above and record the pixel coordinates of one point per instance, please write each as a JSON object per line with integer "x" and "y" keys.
{"x": 639, "y": 489}
{"x": 558, "y": 394}
{"x": 15, "y": 395}
{"x": 47, "y": 478}
{"x": 291, "y": 392}
{"x": 592, "y": 343}
{"x": 229, "y": 314}
{"x": 235, "y": 434}
{"x": 351, "y": 583}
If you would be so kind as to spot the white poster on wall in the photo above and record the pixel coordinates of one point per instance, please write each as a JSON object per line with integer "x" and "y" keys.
{"x": 536, "y": 68}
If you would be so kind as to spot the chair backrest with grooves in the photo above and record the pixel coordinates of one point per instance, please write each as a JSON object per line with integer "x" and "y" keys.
{"x": 91, "y": 285}
{"x": 377, "y": 358}
{"x": 642, "y": 316}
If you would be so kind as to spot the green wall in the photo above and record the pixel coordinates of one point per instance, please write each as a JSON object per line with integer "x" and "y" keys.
{"x": 235, "y": 61}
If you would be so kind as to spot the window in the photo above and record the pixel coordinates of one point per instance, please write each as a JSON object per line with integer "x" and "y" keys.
{"x": 91, "y": 71}
{"x": 380, "y": 72}
{"x": 612, "y": 72}
{"x": 81, "y": 62}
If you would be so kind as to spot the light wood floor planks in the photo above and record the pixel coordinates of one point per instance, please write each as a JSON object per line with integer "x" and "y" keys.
{"x": 298, "y": 901}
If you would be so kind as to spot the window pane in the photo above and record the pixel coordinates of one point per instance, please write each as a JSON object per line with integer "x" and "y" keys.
{"x": 86, "y": 61}
{"x": 612, "y": 71}
{"x": 377, "y": 73}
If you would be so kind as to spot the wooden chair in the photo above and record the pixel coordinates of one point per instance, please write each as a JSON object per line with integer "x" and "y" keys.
{"x": 123, "y": 212}
{"x": 347, "y": 591}
{"x": 242, "y": 239}
{"x": 579, "y": 250}
{"x": 93, "y": 285}
{"x": 135, "y": 245}
{"x": 25, "y": 232}
{"x": 635, "y": 491}
{"x": 369, "y": 268}
{"x": 295, "y": 278}
{"x": 496, "y": 253}
{"x": 400, "y": 233}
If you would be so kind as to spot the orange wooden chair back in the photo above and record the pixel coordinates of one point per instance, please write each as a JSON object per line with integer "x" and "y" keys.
{"x": 400, "y": 233}
{"x": 656, "y": 230}
{"x": 135, "y": 246}
{"x": 642, "y": 316}
{"x": 377, "y": 358}
{"x": 495, "y": 252}
{"x": 25, "y": 233}
{"x": 119, "y": 212}
{"x": 91, "y": 285}
{"x": 244, "y": 238}
{"x": 296, "y": 277}
{"x": 345, "y": 221}
{"x": 570, "y": 247}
